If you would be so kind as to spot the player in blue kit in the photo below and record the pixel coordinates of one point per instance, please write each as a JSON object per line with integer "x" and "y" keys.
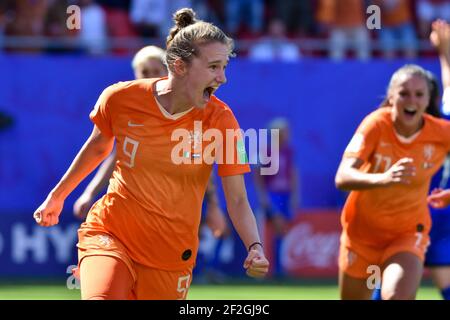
{"x": 438, "y": 255}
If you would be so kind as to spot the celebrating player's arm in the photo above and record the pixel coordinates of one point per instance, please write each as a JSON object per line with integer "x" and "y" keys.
{"x": 440, "y": 39}
{"x": 244, "y": 222}
{"x": 95, "y": 149}
{"x": 349, "y": 177}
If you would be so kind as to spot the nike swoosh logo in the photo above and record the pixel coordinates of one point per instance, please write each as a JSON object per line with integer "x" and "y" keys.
{"x": 130, "y": 124}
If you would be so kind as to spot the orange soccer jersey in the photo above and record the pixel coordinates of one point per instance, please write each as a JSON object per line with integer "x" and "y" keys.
{"x": 381, "y": 215}
{"x": 153, "y": 204}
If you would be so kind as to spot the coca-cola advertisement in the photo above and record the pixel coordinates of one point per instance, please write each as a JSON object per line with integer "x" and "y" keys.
{"x": 308, "y": 248}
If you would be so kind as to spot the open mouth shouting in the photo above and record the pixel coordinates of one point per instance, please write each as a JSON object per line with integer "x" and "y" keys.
{"x": 207, "y": 93}
{"x": 410, "y": 112}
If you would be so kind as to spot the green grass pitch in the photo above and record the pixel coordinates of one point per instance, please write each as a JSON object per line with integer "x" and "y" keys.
{"x": 202, "y": 292}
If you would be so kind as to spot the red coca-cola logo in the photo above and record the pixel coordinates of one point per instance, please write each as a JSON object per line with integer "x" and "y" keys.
{"x": 311, "y": 246}
{"x": 309, "y": 250}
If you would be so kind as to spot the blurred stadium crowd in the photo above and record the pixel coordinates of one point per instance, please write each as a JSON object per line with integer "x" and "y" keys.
{"x": 263, "y": 29}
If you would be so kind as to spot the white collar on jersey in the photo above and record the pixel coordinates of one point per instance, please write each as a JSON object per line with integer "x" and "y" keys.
{"x": 408, "y": 140}
{"x": 164, "y": 111}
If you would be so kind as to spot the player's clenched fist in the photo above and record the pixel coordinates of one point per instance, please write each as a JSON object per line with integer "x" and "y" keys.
{"x": 47, "y": 214}
{"x": 256, "y": 264}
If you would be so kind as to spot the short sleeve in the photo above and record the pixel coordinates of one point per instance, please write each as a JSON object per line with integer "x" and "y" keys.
{"x": 101, "y": 114}
{"x": 364, "y": 140}
{"x": 232, "y": 157}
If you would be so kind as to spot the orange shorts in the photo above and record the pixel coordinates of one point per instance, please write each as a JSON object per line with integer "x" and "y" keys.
{"x": 121, "y": 276}
{"x": 355, "y": 259}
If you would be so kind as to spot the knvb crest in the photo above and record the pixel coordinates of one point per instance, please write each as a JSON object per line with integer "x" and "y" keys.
{"x": 195, "y": 138}
{"x": 428, "y": 152}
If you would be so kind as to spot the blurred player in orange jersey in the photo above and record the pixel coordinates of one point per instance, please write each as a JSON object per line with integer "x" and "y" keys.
{"x": 388, "y": 166}
{"x": 140, "y": 240}
{"x": 148, "y": 62}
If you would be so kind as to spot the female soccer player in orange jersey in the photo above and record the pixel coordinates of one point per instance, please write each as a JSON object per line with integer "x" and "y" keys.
{"x": 148, "y": 62}
{"x": 388, "y": 166}
{"x": 140, "y": 240}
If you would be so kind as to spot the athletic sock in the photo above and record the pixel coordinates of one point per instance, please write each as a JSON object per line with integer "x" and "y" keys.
{"x": 446, "y": 293}
{"x": 376, "y": 294}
